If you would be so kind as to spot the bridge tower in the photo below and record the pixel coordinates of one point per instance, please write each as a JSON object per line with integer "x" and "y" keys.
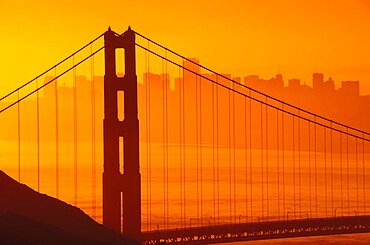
{"x": 121, "y": 181}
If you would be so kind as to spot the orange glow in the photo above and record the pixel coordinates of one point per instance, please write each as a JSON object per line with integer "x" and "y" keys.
{"x": 197, "y": 134}
{"x": 266, "y": 37}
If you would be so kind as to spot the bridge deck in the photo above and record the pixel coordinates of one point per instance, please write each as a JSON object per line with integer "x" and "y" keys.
{"x": 260, "y": 230}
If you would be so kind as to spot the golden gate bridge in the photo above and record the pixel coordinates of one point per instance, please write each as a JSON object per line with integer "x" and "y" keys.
{"x": 202, "y": 158}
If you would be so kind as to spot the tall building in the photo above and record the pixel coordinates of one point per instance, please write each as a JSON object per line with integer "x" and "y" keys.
{"x": 277, "y": 82}
{"x": 251, "y": 80}
{"x": 329, "y": 85}
{"x": 294, "y": 83}
{"x": 317, "y": 81}
{"x": 350, "y": 88}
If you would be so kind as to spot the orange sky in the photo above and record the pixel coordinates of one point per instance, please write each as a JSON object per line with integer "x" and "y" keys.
{"x": 264, "y": 37}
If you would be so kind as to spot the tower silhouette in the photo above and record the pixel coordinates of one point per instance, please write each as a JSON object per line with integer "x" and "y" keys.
{"x": 121, "y": 191}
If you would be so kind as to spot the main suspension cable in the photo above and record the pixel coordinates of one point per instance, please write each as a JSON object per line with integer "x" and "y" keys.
{"x": 260, "y": 101}
{"x": 247, "y": 87}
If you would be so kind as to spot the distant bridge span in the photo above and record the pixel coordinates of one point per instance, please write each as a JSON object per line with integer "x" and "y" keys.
{"x": 260, "y": 231}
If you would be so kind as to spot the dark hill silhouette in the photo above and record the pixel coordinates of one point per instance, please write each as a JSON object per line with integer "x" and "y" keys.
{"x": 15, "y": 229}
{"x": 28, "y": 217}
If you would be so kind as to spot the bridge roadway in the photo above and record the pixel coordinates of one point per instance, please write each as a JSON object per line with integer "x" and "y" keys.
{"x": 259, "y": 230}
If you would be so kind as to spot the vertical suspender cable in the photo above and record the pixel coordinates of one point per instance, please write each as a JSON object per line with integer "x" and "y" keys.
{"x": 38, "y": 134}
{"x": 325, "y": 178}
{"x": 309, "y": 168}
{"x": 201, "y": 148}
{"x": 197, "y": 144}
{"x": 213, "y": 154}
{"x": 180, "y": 145}
{"x": 357, "y": 186}
{"x": 217, "y": 157}
{"x": 93, "y": 143}
{"x": 149, "y": 142}
{"x": 293, "y": 157}
{"x": 299, "y": 166}
{"x": 147, "y": 138}
{"x": 56, "y": 134}
{"x": 283, "y": 154}
{"x": 261, "y": 150}
{"x": 267, "y": 162}
{"x": 167, "y": 168}
{"x": 250, "y": 157}
{"x": 246, "y": 158}
{"x": 184, "y": 141}
{"x": 234, "y": 146}
{"x": 348, "y": 211}
{"x": 149, "y": 170}
{"x": 75, "y": 130}
{"x": 19, "y": 138}
{"x": 229, "y": 151}
{"x": 331, "y": 166}
{"x": 182, "y": 138}
{"x": 278, "y": 164}
{"x": 341, "y": 171}
{"x": 363, "y": 172}
{"x": 164, "y": 144}
{"x": 315, "y": 159}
